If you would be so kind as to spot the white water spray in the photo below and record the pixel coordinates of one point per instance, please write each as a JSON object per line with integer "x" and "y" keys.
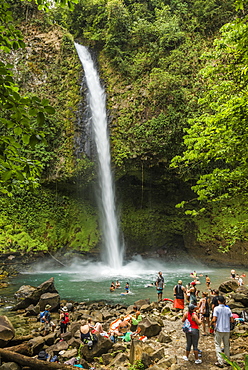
{"x": 97, "y": 103}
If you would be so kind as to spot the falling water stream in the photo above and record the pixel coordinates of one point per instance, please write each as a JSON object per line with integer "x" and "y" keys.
{"x": 113, "y": 253}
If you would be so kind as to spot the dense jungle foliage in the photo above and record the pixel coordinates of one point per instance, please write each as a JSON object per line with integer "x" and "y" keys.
{"x": 175, "y": 74}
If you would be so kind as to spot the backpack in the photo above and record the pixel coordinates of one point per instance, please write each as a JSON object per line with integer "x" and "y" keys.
{"x": 42, "y": 316}
{"x": 186, "y": 326}
{"x": 42, "y": 355}
{"x": 66, "y": 318}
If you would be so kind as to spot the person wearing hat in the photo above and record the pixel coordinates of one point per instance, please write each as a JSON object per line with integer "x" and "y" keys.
{"x": 179, "y": 291}
{"x": 64, "y": 320}
{"x": 192, "y": 337}
{"x": 46, "y": 319}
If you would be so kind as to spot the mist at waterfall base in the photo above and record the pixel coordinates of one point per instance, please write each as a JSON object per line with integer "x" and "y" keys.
{"x": 88, "y": 281}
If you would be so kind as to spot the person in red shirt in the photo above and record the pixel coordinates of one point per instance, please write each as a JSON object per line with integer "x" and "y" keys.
{"x": 192, "y": 337}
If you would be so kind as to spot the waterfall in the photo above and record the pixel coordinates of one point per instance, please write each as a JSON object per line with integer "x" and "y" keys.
{"x": 113, "y": 253}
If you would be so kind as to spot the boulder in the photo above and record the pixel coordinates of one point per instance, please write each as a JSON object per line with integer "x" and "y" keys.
{"x": 233, "y": 305}
{"x": 49, "y": 298}
{"x": 241, "y": 296}
{"x": 141, "y": 302}
{"x": 7, "y": 331}
{"x": 10, "y": 366}
{"x": 50, "y": 339}
{"x": 137, "y": 350}
{"x": 70, "y": 353}
{"x": 146, "y": 308}
{"x": 107, "y": 358}
{"x": 97, "y": 316}
{"x": 120, "y": 359}
{"x": 102, "y": 346}
{"x": 106, "y": 315}
{"x": 149, "y": 328}
{"x": 74, "y": 327}
{"x": 28, "y": 295}
{"x": 167, "y": 362}
{"x": 228, "y": 286}
{"x": 37, "y": 344}
{"x": 157, "y": 355}
{"x": 74, "y": 342}
{"x": 32, "y": 310}
{"x": 164, "y": 337}
{"x": 60, "y": 346}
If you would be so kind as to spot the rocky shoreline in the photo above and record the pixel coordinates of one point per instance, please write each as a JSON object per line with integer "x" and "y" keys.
{"x": 162, "y": 347}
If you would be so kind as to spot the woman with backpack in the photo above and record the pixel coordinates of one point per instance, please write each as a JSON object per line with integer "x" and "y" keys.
{"x": 64, "y": 320}
{"x": 192, "y": 335}
{"x": 204, "y": 309}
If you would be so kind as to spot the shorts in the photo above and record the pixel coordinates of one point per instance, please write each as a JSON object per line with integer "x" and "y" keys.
{"x": 48, "y": 325}
{"x": 159, "y": 291}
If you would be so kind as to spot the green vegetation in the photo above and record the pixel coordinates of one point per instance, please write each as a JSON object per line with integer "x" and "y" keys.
{"x": 40, "y": 221}
{"x": 175, "y": 73}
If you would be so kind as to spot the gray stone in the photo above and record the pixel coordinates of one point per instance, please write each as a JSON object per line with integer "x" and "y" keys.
{"x": 70, "y": 353}
{"x": 149, "y": 327}
{"x": 74, "y": 342}
{"x": 157, "y": 355}
{"x": 49, "y": 298}
{"x": 164, "y": 337}
{"x": 7, "y": 331}
{"x": 28, "y": 295}
{"x": 120, "y": 359}
{"x": 32, "y": 310}
{"x": 141, "y": 302}
{"x": 146, "y": 308}
{"x": 10, "y": 366}
{"x": 228, "y": 286}
{"x": 102, "y": 346}
{"x": 60, "y": 346}
{"x": 37, "y": 344}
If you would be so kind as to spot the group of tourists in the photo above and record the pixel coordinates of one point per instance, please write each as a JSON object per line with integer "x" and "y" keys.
{"x": 117, "y": 285}
{"x": 210, "y": 311}
{"x": 221, "y": 320}
{"x": 207, "y": 309}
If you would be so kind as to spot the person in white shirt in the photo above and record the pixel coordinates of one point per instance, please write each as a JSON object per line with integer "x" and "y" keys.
{"x": 222, "y": 317}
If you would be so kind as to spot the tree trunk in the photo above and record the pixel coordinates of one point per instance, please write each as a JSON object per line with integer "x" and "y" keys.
{"x": 23, "y": 349}
{"x": 31, "y": 362}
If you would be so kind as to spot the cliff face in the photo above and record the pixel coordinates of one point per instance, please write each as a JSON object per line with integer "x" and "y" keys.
{"x": 63, "y": 215}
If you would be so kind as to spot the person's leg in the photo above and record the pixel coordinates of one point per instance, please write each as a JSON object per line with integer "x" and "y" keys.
{"x": 226, "y": 342}
{"x": 188, "y": 343}
{"x": 217, "y": 342}
{"x": 195, "y": 340}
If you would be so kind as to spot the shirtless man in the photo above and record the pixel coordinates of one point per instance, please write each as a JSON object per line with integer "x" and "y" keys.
{"x": 124, "y": 326}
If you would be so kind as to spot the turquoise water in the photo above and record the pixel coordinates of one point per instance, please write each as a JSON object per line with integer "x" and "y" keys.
{"x": 84, "y": 281}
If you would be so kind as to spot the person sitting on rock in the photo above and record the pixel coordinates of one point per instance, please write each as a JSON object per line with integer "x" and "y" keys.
{"x": 136, "y": 319}
{"x": 85, "y": 331}
{"x": 124, "y": 326}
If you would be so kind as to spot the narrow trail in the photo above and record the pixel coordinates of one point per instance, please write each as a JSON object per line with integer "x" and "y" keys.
{"x": 206, "y": 344}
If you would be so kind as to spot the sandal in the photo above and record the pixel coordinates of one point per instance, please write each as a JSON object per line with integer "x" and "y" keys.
{"x": 218, "y": 365}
